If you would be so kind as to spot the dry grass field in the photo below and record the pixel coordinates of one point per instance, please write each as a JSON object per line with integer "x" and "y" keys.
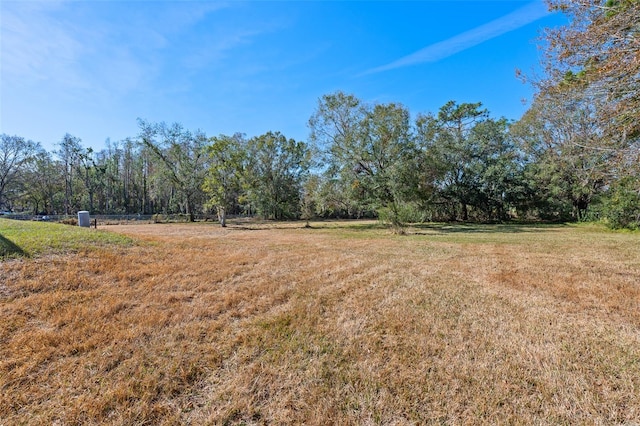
{"x": 342, "y": 323}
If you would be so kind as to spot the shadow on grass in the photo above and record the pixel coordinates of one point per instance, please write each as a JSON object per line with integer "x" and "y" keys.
{"x": 449, "y": 227}
{"x": 482, "y": 228}
{"x": 366, "y": 225}
{"x": 345, "y": 224}
{"x": 358, "y": 226}
{"x": 9, "y": 249}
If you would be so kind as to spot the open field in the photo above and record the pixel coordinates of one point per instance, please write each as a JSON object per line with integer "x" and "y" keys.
{"x": 343, "y": 323}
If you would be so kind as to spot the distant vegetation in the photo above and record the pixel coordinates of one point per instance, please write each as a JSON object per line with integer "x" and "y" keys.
{"x": 574, "y": 155}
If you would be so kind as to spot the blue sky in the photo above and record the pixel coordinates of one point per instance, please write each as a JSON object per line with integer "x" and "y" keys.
{"x": 91, "y": 68}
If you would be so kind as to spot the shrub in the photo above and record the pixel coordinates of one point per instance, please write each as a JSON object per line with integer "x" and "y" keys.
{"x": 622, "y": 208}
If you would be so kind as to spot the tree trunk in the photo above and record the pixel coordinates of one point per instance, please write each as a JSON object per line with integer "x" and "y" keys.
{"x": 189, "y": 210}
{"x": 222, "y": 216}
{"x": 465, "y": 212}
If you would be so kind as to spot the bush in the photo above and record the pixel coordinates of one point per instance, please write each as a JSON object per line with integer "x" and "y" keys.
{"x": 621, "y": 209}
{"x": 402, "y": 214}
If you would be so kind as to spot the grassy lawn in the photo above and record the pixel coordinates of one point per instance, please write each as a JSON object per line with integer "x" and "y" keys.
{"x": 340, "y": 323}
{"x": 26, "y": 238}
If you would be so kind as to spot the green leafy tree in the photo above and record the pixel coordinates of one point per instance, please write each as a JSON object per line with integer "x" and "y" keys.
{"x": 368, "y": 148}
{"x": 621, "y": 206}
{"x": 46, "y": 184}
{"x": 469, "y": 166}
{"x": 384, "y": 161}
{"x": 568, "y": 162}
{"x": 310, "y": 198}
{"x": 224, "y": 178}
{"x": 450, "y": 152}
{"x": 497, "y": 169}
{"x": 276, "y": 167}
{"x": 336, "y": 131}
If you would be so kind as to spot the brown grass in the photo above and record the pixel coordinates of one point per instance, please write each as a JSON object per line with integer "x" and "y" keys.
{"x": 263, "y": 324}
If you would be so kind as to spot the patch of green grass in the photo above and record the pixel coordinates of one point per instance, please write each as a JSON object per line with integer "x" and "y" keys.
{"x": 449, "y": 232}
{"x": 351, "y": 229}
{"x": 27, "y": 239}
{"x": 472, "y": 233}
{"x": 542, "y": 236}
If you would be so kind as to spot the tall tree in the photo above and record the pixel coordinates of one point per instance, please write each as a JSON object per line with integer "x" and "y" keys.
{"x": 448, "y": 144}
{"x": 336, "y": 130}
{"x": 92, "y": 176}
{"x": 227, "y": 164}
{"x": 183, "y": 156}
{"x": 15, "y": 153}
{"x": 45, "y": 191}
{"x": 70, "y": 148}
{"x": 470, "y": 163}
{"x": 588, "y": 97}
{"x": 597, "y": 54}
{"x": 110, "y": 159}
{"x": 370, "y": 147}
{"x": 570, "y": 161}
{"x": 384, "y": 161}
{"x": 276, "y": 167}
{"x": 497, "y": 168}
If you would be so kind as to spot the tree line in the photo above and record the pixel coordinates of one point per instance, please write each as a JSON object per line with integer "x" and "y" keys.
{"x": 165, "y": 169}
{"x": 573, "y": 156}
{"x": 361, "y": 160}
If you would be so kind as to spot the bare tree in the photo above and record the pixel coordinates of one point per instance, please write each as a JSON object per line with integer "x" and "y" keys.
{"x": 69, "y": 154}
{"x": 183, "y": 155}
{"x": 15, "y": 152}
{"x": 598, "y": 54}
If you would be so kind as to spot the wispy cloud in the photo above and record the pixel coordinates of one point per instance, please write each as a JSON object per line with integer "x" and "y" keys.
{"x": 443, "y": 49}
{"x": 54, "y": 47}
{"x": 94, "y": 51}
{"x": 29, "y": 40}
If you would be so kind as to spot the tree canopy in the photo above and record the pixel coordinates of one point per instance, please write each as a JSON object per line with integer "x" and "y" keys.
{"x": 597, "y": 55}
